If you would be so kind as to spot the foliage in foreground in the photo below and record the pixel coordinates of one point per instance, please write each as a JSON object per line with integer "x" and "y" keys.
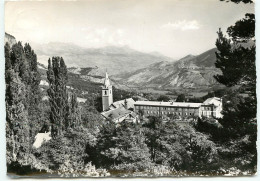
{"x": 85, "y": 145}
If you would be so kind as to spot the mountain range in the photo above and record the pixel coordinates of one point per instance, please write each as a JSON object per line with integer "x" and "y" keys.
{"x": 131, "y": 68}
{"x": 188, "y": 72}
{"x": 113, "y": 59}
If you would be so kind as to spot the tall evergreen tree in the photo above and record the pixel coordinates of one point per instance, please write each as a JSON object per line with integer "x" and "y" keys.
{"x": 17, "y": 126}
{"x": 236, "y": 59}
{"x": 73, "y": 118}
{"x": 75, "y": 111}
{"x": 34, "y": 93}
{"x": 57, "y": 92}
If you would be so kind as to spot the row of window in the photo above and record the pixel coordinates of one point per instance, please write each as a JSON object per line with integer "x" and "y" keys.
{"x": 206, "y": 113}
{"x": 164, "y": 108}
{"x": 167, "y": 113}
{"x": 206, "y": 108}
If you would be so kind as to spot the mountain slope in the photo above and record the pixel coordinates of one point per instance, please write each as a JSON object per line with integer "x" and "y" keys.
{"x": 9, "y": 39}
{"x": 188, "y": 72}
{"x": 113, "y": 59}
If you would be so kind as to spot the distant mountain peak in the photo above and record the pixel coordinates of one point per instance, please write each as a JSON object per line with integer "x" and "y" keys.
{"x": 115, "y": 59}
{"x": 188, "y": 72}
{"x": 189, "y": 56}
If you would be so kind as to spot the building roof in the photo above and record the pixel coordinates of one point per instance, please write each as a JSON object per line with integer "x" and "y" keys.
{"x": 116, "y": 113}
{"x": 130, "y": 103}
{"x": 132, "y": 114}
{"x": 168, "y": 104}
{"x": 40, "y": 138}
{"x": 213, "y": 100}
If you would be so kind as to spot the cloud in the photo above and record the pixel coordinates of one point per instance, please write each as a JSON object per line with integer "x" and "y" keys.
{"x": 182, "y": 25}
{"x": 105, "y": 36}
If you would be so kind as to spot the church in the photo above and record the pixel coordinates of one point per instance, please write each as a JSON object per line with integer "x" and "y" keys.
{"x": 119, "y": 110}
{"x": 129, "y": 110}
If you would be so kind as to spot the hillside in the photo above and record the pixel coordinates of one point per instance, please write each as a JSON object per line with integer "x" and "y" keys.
{"x": 9, "y": 39}
{"x": 130, "y": 68}
{"x": 191, "y": 71}
{"x": 114, "y": 59}
{"x": 188, "y": 72}
{"x": 77, "y": 80}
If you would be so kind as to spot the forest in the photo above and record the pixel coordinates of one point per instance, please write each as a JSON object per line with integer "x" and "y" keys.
{"x": 83, "y": 144}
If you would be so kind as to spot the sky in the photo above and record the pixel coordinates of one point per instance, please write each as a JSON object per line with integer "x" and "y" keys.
{"x": 174, "y": 28}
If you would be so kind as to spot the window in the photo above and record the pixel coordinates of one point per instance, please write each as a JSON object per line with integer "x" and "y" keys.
{"x": 190, "y": 113}
{"x": 105, "y": 92}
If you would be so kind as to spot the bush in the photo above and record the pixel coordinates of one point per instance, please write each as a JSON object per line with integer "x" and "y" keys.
{"x": 78, "y": 169}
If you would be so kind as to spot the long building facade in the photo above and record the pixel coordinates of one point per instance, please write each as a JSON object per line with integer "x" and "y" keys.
{"x": 210, "y": 108}
{"x": 130, "y": 110}
{"x": 167, "y": 108}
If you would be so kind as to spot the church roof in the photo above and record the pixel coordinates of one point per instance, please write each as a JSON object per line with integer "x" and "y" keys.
{"x": 116, "y": 113}
{"x": 168, "y": 104}
{"x": 130, "y": 103}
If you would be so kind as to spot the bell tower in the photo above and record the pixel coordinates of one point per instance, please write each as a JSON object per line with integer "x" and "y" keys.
{"x": 107, "y": 94}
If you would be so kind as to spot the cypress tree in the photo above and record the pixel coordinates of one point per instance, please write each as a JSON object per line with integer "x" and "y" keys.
{"x": 75, "y": 111}
{"x": 34, "y": 94}
{"x": 57, "y": 92}
{"x": 73, "y": 114}
{"x": 17, "y": 127}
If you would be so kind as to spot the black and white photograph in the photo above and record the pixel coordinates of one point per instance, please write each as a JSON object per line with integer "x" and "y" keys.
{"x": 130, "y": 88}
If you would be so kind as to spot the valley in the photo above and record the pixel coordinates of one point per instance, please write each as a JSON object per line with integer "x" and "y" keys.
{"x": 136, "y": 71}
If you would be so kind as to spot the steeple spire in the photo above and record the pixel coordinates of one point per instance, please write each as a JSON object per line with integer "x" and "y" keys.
{"x": 106, "y": 82}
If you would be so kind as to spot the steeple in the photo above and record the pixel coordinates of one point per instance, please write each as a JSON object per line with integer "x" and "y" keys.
{"x": 107, "y": 94}
{"x": 106, "y": 82}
